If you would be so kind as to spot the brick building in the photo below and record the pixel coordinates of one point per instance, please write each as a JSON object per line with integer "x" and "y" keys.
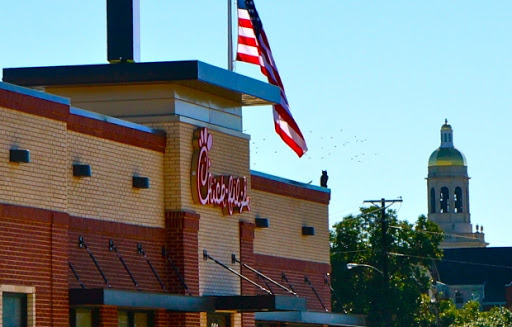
{"x": 135, "y": 220}
{"x": 127, "y": 199}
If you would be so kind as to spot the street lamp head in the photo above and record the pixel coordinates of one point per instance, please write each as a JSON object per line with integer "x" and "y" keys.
{"x": 351, "y": 265}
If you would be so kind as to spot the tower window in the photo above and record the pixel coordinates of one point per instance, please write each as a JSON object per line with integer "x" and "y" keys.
{"x": 457, "y": 197}
{"x": 432, "y": 200}
{"x": 459, "y": 297}
{"x": 444, "y": 198}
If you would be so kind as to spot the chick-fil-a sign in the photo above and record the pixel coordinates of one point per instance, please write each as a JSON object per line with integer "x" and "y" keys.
{"x": 227, "y": 192}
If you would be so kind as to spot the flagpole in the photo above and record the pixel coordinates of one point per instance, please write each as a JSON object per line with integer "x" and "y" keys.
{"x": 230, "y": 37}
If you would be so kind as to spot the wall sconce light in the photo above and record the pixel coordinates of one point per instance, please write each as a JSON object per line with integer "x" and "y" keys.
{"x": 140, "y": 182}
{"x": 261, "y": 222}
{"x": 80, "y": 170}
{"x": 19, "y": 156}
{"x": 308, "y": 230}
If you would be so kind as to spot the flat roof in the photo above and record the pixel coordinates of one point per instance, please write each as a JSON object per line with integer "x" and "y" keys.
{"x": 194, "y": 74}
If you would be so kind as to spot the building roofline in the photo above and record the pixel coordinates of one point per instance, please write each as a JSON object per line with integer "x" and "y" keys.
{"x": 194, "y": 74}
{"x": 34, "y": 93}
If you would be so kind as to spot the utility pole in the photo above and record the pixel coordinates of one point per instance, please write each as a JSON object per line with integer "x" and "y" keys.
{"x": 386, "y": 315}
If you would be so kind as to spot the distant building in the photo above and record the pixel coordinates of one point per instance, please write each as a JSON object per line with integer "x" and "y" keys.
{"x": 448, "y": 195}
{"x": 478, "y": 274}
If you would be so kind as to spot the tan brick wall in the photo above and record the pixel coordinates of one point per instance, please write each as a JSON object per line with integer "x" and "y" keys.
{"x": 286, "y": 217}
{"x": 108, "y": 194}
{"x": 218, "y": 234}
{"x": 42, "y": 182}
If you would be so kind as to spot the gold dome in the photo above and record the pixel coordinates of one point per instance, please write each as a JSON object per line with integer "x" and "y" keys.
{"x": 446, "y": 157}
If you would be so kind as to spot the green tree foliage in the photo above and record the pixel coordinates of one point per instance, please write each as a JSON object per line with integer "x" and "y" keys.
{"x": 468, "y": 316}
{"x": 358, "y": 239}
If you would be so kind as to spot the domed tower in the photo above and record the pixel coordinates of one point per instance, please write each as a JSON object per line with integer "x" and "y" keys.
{"x": 448, "y": 194}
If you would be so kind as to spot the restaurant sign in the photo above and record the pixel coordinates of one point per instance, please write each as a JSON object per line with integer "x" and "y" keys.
{"x": 225, "y": 191}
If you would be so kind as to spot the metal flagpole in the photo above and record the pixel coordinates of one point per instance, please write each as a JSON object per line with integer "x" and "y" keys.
{"x": 230, "y": 37}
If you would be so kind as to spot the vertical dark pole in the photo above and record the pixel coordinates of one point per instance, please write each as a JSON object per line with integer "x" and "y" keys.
{"x": 385, "y": 272}
{"x": 123, "y": 36}
{"x": 230, "y": 36}
{"x": 384, "y": 301}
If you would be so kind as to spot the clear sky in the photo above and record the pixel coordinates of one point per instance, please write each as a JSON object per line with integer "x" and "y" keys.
{"x": 369, "y": 83}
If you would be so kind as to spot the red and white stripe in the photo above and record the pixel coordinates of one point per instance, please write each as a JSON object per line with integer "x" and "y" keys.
{"x": 256, "y": 50}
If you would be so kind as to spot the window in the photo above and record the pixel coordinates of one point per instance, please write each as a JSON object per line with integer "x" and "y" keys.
{"x": 218, "y": 320}
{"x": 432, "y": 200}
{"x": 457, "y": 197}
{"x": 134, "y": 319}
{"x": 459, "y": 297}
{"x": 444, "y": 198}
{"x": 83, "y": 317}
{"x": 17, "y": 306}
{"x": 14, "y": 309}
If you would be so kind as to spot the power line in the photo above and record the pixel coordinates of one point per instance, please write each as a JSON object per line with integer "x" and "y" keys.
{"x": 450, "y": 260}
{"x": 437, "y": 233}
{"x": 362, "y": 214}
{"x": 431, "y": 258}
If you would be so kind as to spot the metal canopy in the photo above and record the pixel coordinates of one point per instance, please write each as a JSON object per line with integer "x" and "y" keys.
{"x": 313, "y": 318}
{"x": 194, "y": 74}
{"x": 183, "y": 303}
{"x": 142, "y": 300}
{"x": 260, "y": 303}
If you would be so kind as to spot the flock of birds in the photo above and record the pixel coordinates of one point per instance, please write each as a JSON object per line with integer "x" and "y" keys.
{"x": 321, "y": 147}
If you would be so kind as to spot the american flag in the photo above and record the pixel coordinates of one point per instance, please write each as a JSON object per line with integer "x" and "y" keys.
{"x": 253, "y": 47}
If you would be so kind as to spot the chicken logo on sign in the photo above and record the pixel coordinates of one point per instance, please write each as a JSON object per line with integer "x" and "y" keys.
{"x": 227, "y": 192}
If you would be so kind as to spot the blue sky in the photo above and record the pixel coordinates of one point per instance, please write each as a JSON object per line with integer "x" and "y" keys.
{"x": 369, "y": 83}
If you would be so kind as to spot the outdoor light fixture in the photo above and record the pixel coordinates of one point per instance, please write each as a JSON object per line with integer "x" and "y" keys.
{"x": 352, "y": 265}
{"x": 19, "y": 156}
{"x": 308, "y": 230}
{"x": 261, "y": 222}
{"x": 80, "y": 170}
{"x": 140, "y": 182}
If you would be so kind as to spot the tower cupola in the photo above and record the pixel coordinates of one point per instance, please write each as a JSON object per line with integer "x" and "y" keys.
{"x": 447, "y": 154}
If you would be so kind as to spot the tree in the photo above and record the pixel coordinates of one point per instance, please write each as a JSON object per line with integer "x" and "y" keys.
{"x": 468, "y": 316}
{"x": 410, "y": 251}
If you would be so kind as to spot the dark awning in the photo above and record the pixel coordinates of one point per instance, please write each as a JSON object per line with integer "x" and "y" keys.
{"x": 142, "y": 300}
{"x": 313, "y": 318}
{"x": 183, "y": 303}
{"x": 259, "y": 303}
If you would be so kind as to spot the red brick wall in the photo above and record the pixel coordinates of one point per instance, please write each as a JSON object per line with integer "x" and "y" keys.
{"x": 295, "y": 271}
{"x": 247, "y": 257}
{"x": 184, "y": 319}
{"x": 33, "y": 251}
{"x": 182, "y": 246}
{"x": 96, "y": 234}
{"x": 273, "y": 267}
{"x": 108, "y": 316}
{"x": 246, "y": 254}
{"x": 294, "y": 191}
